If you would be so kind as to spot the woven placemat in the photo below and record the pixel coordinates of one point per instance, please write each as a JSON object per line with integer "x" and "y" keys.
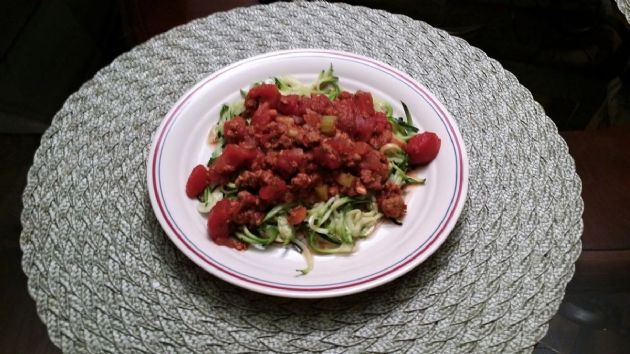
{"x": 107, "y": 279}
{"x": 624, "y": 7}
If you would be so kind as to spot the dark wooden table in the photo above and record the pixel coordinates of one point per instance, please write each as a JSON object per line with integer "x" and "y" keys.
{"x": 603, "y": 163}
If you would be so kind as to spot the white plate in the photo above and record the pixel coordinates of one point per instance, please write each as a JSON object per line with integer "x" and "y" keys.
{"x": 180, "y": 143}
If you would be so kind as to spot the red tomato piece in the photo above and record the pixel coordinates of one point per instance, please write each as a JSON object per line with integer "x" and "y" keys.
{"x": 363, "y": 128}
{"x": 216, "y": 178}
{"x": 263, "y": 116}
{"x": 423, "y": 148}
{"x": 363, "y": 103}
{"x": 265, "y": 93}
{"x": 218, "y": 220}
{"x": 273, "y": 192}
{"x": 197, "y": 181}
{"x": 297, "y": 215}
{"x": 219, "y": 224}
{"x": 233, "y": 158}
{"x": 345, "y": 116}
{"x": 289, "y": 105}
{"x": 237, "y": 156}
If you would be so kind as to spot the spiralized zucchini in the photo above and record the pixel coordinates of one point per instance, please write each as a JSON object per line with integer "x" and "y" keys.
{"x": 326, "y": 83}
{"x": 335, "y": 225}
{"x": 227, "y": 112}
{"x": 398, "y": 164}
{"x": 208, "y": 199}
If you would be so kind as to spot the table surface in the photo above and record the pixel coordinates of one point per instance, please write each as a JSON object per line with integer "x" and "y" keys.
{"x": 106, "y": 279}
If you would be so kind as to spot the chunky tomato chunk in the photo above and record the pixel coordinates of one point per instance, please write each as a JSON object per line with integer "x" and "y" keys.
{"x": 217, "y": 179}
{"x": 233, "y": 158}
{"x": 218, "y": 220}
{"x": 273, "y": 192}
{"x": 364, "y": 103}
{"x": 289, "y": 105}
{"x": 263, "y": 116}
{"x": 197, "y": 181}
{"x": 297, "y": 215}
{"x": 237, "y": 155}
{"x": 345, "y": 116}
{"x": 219, "y": 224}
{"x": 265, "y": 93}
{"x": 363, "y": 128}
{"x": 423, "y": 148}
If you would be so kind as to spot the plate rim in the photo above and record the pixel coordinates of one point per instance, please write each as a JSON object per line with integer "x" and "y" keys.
{"x": 374, "y": 280}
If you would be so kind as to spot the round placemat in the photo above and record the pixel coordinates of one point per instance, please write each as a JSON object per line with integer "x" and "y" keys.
{"x": 624, "y": 7}
{"x": 106, "y": 278}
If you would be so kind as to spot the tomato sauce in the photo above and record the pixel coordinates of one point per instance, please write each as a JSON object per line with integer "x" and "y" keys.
{"x": 303, "y": 149}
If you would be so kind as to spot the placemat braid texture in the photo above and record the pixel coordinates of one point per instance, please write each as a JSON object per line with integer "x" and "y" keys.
{"x": 106, "y": 278}
{"x": 624, "y": 7}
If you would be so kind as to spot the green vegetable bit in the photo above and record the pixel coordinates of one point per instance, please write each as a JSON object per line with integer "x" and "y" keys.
{"x": 340, "y": 221}
{"x": 229, "y": 190}
{"x": 381, "y": 105}
{"x": 247, "y": 236}
{"x": 274, "y": 227}
{"x": 398, "y": 165}
{"x": 326, "y": 83}
{"x": 327, "y": 125}
{"x": 226, "y": 113}
{"x": 402, "y": 128}
{"x": 208, "y": 199}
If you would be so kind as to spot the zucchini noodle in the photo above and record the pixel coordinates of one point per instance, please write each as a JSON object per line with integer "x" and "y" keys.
{"x": 326, "y": 83}
{"x": 208, "y": 199}
{"x": 340, "y": 221}
{"x": 308, "y": 256}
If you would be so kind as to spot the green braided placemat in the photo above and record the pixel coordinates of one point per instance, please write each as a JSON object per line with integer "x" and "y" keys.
{"x": 624, "y": 7}
{"x": 107, "y": 279}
